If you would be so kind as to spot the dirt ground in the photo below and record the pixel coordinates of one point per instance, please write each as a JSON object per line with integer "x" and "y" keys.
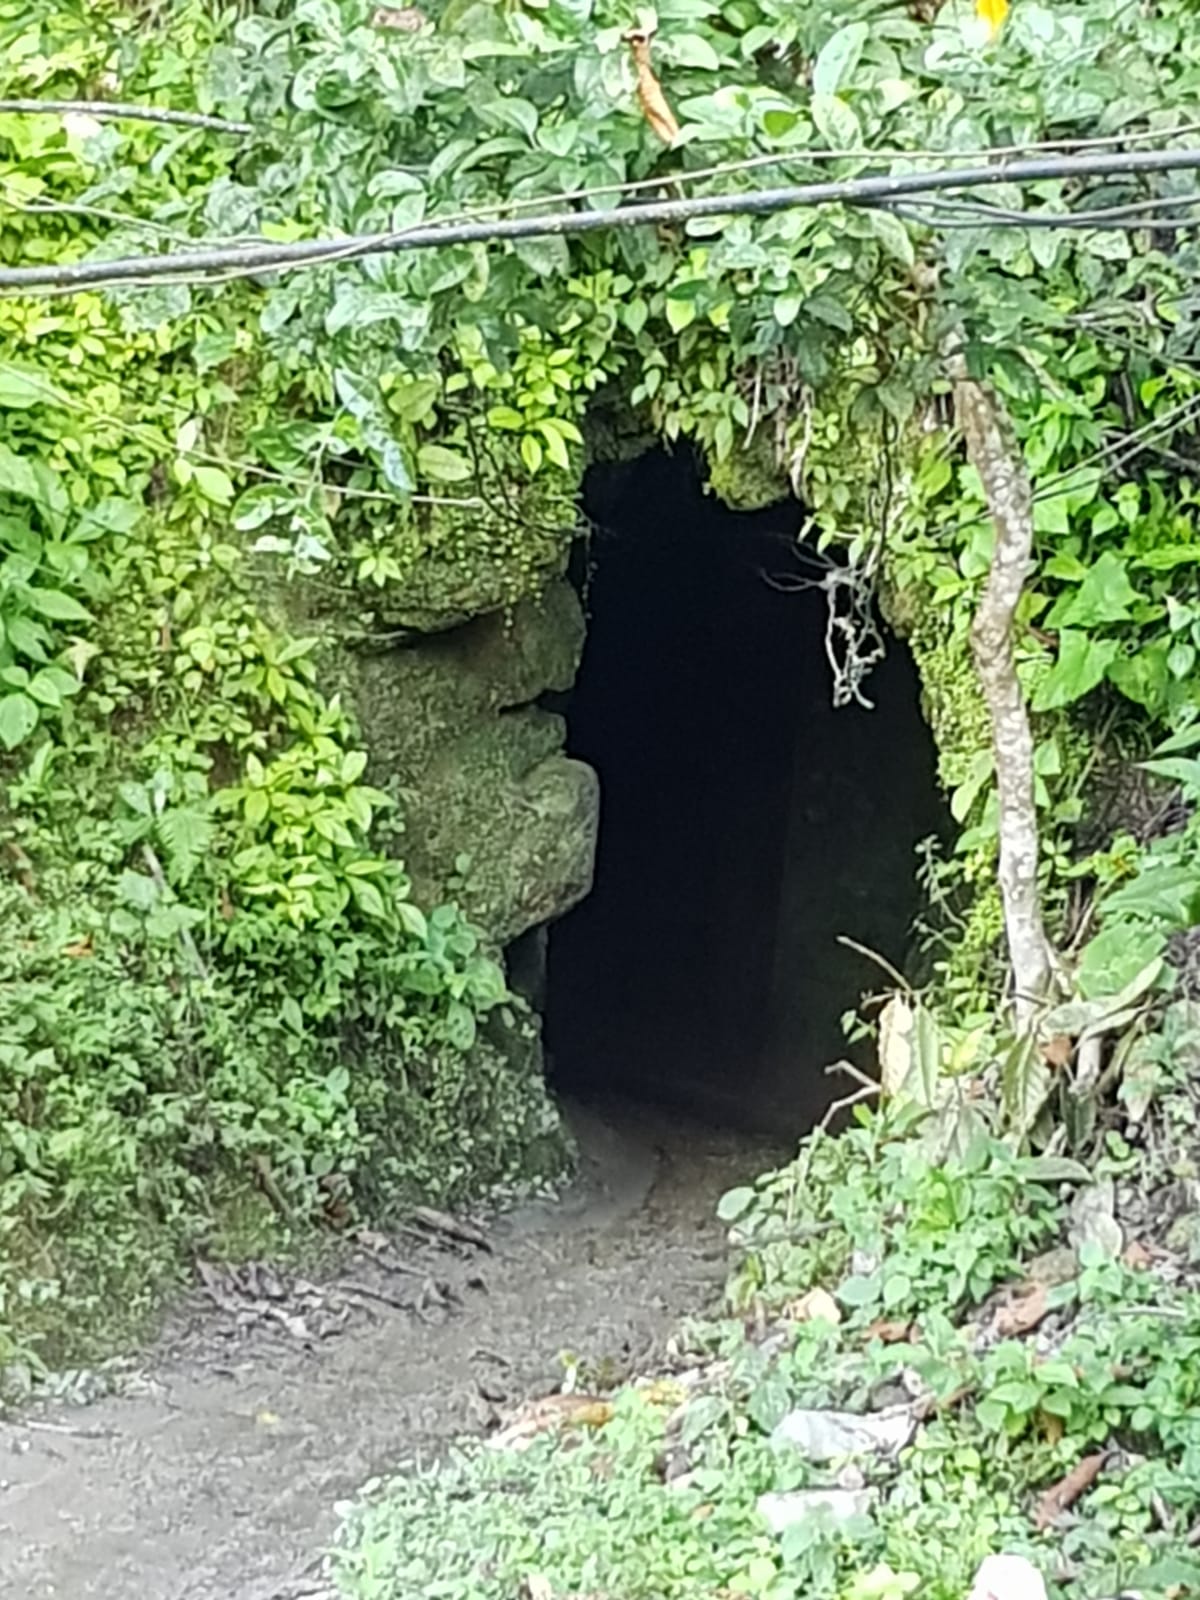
{"x": 215, "y": 1471}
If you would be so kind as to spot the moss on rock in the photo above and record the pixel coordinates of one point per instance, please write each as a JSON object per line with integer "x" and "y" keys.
{"x": 454, "y": 731}
{"x": 750, "y": 478}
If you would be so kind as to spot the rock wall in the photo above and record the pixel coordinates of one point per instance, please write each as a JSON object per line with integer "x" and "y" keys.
{"x": 496, "y": 816}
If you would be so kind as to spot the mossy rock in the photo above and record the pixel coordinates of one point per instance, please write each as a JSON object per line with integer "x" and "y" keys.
{"x": 453, "y": 729}
{"x": 751, "y": 478}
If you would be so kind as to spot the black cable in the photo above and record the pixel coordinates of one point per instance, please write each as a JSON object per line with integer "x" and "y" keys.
{"x": 869, "y": 191}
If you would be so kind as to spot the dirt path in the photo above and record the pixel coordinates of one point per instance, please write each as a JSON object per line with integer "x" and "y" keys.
{"x": 215, "y": 1474}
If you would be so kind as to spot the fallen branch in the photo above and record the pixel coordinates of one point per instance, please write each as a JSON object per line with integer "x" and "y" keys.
{"x": 365, "y": 1292}
{"x": 453, "y": 1227}
{"x": 1061, "y": 1496}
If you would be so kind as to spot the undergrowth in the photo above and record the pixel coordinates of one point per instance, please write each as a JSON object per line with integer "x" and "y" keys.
{"x": 916, "y": 1265}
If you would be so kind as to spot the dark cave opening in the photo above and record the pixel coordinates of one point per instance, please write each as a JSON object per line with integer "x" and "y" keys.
{"x": 745, "y": 823}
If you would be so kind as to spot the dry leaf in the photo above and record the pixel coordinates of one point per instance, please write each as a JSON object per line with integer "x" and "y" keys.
{"x": 1136, "y": 1256}
{"x": 889, "y": 1332}
{"x": 1057, "y": 1052}
{"x": 1052, "y": 1427}
{"x": 1022, "y": 1313}
{"x": 407, "y": 19}
{"x": 556, "y": 1411}
{"x": 817, "y": 1305}
{"x": 663, "y": 1392}
{"x": 654, "y": 103}
{"x": 895, "y": 1045}
{"x": 1060, "y": 1496}
{"x": 81, "y": 947}
{"x": 993, "y": 12}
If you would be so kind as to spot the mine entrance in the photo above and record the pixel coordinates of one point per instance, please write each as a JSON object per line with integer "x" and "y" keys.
{"x": 745, "y": 823}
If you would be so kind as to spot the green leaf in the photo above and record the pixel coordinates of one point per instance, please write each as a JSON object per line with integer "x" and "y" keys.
{"x": 186, "y": 834}
{"x": 680, "y": 314}
{"x": 1082, "y": 663}
{"x": 27, "y": 637}
{"x": 486, "y": 982}
{"x": 838, "y": 58}
{"x": 408, "y": 193}
{"x": 549, "y": 257}
{"x": 367, "y": 897}
{"x": 412, "y": 919}
{"x": 354, "y": 764}
{"x": 1052, "y": 1169}
{"x": 893, "y": 235}
{"x": 786, "y": 309}
{"x": 779, "y": 122}
{"x": 768, "y": 1403}
{"x": 17, "y": 476}
{"x": 22, "y": 387}
{"x": 1143, "y": 677}
{"x": 1167, "y": 892}
{"x": 255, "y": 807}
{"x": 690, "y": 50}
{"x": 1179, "y": 769}
{"x": 437, "y": 464}
{"x": 556, "y": 447}
{"x": 510, "y": 111}
{"x": 1116, "y": 956}
{"x": 18, "y": 719}
{"x": 1183, "y": 739}
{"x": 836, "y": 122}
{"x": 57, "y": 606}
{"x": 860, "y": 1289}
{"x": 1105, "y": 595}
{"x": 734, "y": 1203}
{"x": 215, "y": 484}
{"x": 138, "y": 889}
{"x": 52, "y": 685}
{"x": 460, "y": 1025}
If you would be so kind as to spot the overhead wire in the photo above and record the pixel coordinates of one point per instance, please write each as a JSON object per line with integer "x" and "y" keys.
{"x": 870, "y": 191}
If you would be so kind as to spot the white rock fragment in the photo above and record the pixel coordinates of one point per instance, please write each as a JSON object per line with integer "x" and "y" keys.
{"x": 783, "y": 1511}
{"x": 1007, "y": 1578}
{"x": 834, "y": 1435}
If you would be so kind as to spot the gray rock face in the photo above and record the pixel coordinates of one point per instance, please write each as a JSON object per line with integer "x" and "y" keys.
{"x": 496, "y": 816}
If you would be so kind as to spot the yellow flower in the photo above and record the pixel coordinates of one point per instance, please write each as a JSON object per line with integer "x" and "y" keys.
{"x": 993, "y": 13}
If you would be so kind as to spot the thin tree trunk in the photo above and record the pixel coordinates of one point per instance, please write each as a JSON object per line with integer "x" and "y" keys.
{"x": 995, "y": 455}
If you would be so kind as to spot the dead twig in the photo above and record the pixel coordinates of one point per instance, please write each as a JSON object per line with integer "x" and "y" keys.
{"x": 1061, "y": 1496}
{"x": 367, "y": 1293}
{"x": 452, "y": 1227}
{"x": 40, "y": 1425}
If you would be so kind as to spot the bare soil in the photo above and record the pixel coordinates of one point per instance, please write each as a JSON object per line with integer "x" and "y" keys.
{"x": 215, "y": 1472}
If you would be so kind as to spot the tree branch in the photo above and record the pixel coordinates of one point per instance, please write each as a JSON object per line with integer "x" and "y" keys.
{"x": 995, "y": 455}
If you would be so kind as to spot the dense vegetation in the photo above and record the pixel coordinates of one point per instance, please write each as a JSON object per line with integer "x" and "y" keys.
{"x": 221, "y": 1010}
{"x": 1050, "y": 1396}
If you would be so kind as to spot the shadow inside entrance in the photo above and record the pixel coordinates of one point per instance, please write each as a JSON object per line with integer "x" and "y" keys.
{"x": 745, "y": 823}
